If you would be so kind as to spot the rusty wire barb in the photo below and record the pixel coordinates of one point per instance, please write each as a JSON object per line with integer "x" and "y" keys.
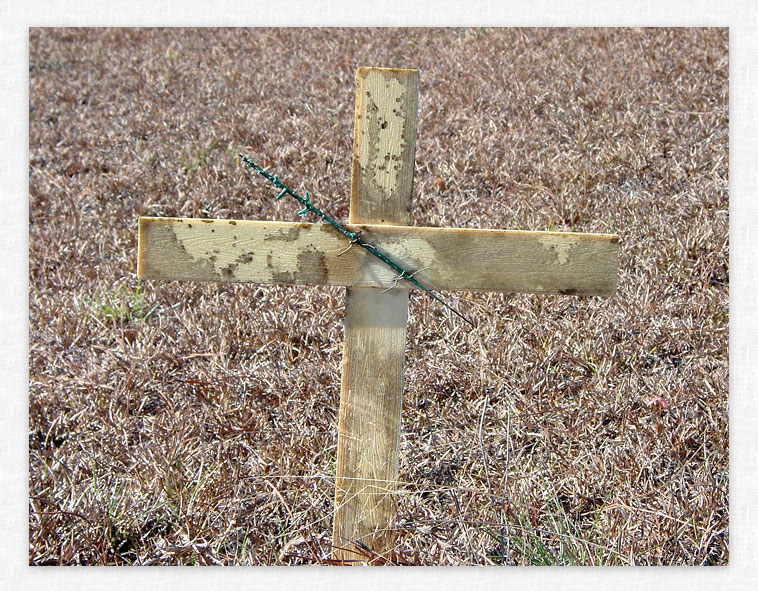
{"x": 354, "y": 237}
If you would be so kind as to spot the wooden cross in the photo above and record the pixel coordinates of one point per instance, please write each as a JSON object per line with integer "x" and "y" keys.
{"x": 375, "y": 316}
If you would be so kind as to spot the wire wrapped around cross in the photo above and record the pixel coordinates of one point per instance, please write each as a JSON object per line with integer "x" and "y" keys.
{"x": 354, "y": 237}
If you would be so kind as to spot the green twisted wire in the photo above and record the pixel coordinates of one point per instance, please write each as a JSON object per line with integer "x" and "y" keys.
{"x": 354, "y": 237}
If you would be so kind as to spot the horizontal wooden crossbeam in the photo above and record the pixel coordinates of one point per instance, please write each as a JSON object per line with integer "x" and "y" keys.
{"x": 445, "y": 259}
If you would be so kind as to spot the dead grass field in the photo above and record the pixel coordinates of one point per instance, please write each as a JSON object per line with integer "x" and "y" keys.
{"x": 188, "y": 423}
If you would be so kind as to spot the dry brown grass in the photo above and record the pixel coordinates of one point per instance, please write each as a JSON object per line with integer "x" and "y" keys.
{"x": 183, "y": 423}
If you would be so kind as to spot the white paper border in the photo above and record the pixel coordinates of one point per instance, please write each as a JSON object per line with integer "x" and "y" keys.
{"x": 740, "y": 16}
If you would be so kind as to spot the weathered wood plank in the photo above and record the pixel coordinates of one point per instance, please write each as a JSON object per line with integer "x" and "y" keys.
{"x": 386, "y": 106}
{"x": 451, "y": 259}
{"x": 375, "y": 320}
{"x": 369, "y": 419}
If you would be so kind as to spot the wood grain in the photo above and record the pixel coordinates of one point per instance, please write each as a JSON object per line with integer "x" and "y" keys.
{"x": 315, "y": 254}
{"x": 375, "y": 320}
{"x": 386, "y": 106}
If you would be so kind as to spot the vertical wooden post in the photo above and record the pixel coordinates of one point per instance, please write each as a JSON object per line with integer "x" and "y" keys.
{"x": 375, "y": 320}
